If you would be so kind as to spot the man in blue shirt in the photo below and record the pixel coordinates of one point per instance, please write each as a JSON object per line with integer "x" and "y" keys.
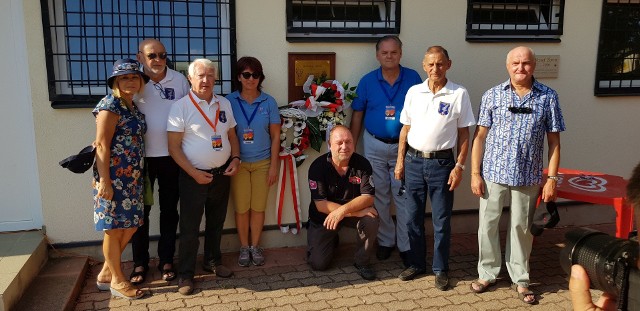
{"x": 380, "y": 100}
{"x": 506, "y": 158}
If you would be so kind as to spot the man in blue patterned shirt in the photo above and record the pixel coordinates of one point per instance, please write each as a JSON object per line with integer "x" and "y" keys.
{"x": 506, "y": 158}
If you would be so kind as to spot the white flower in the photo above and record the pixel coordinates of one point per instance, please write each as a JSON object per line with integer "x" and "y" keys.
{"x": 297, "y": 140}
{"x": 283, "y": 144}
{"x": 297, "y": 133}
{"x": 299, "y": 125}
{"x": 287, "y": 123}
{"x": 283, "y": 136}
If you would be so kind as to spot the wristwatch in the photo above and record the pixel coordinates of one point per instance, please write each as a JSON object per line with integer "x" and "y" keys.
{"x": 554, "y": 178}
{"x": 236, "y": 157}
{"x": 461, "y": 166}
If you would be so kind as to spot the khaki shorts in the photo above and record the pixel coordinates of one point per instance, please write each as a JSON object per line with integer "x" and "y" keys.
{"x": 249, "y": 188}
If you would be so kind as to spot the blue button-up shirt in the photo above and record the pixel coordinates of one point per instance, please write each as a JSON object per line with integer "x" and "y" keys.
{"x": 515, "y": 142}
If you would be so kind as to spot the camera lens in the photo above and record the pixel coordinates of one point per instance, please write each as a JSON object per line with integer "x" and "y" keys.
{"x": 603, "y": 257}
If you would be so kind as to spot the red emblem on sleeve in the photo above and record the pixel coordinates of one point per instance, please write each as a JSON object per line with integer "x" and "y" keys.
{"x": 313, "y": 185}
{"x": 355, "y": 180}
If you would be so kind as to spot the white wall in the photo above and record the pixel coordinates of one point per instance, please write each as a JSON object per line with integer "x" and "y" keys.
{"x": 600, "y": 131}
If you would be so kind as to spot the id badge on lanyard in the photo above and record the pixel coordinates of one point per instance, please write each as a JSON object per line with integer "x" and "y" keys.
{"x": 216, "y": 139}
{"x": 247, "y": 134}
{"x": 216, "y": 142}
{"x": 390, "y": 113}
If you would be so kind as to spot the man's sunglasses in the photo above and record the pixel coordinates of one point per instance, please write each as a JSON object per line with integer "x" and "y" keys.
{"x": 524, "y": 110}
{"x": 162, "y": 55}
{"x": 255, "y": 75}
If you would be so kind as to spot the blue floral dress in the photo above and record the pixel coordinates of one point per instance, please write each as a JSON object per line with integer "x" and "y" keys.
{"x": 126, "y": 209}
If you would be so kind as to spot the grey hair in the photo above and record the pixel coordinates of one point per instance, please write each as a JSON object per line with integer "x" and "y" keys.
{"x": 204, "y": 62}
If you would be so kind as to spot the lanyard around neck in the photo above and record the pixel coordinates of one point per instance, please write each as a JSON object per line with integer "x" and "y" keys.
{"x": 393, "y": 88}
{"x": 213, "y": 126}
{"x": 245, "y": 113}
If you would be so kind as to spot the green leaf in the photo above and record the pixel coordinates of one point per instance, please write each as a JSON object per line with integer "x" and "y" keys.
{"x": 315, "y": 136}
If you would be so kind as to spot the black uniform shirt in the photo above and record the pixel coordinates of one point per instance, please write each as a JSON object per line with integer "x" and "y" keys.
{"x": 326, "y": 184}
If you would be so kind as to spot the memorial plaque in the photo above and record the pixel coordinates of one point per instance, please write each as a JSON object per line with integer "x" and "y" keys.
{"x": 547, "y": 66}
{"x": 301, "y": 65}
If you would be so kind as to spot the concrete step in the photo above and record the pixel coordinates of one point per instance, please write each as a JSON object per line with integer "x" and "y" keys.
{"x": 57, "y": 286}
{"x": 22, "y": 255}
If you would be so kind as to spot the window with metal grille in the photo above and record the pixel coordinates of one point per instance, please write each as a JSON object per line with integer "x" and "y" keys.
{"x": 343, "y": 20}
{"x": 84, "y": 38}
{"x": 618, "y": 66}
{"x": 514, "y": 20}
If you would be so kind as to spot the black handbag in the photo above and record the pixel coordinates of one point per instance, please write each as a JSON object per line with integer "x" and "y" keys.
{"x": 81, "y": 162}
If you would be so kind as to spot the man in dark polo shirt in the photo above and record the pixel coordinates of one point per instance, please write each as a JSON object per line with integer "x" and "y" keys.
{"x": 342, "y": 194}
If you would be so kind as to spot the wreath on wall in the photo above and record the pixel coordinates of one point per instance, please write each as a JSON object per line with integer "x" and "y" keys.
{"x": 311, "y": 118}
{"x": 294, "y": 119}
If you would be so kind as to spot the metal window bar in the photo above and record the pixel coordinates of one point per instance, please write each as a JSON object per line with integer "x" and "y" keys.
{"x": 514, "y": 19}
{"x": 347, "y": 19}
{"x": 84, "y": 38}
{"x": 618, "y": 65}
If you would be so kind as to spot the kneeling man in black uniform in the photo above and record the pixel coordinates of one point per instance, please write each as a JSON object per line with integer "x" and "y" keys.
{"x": 342, "y": 194}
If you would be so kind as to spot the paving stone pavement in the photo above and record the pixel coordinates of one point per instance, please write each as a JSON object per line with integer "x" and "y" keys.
{"x": 285, "y": 282}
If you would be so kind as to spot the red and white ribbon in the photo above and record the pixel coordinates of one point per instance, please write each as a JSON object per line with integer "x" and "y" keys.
{"x": 287, "y": 162}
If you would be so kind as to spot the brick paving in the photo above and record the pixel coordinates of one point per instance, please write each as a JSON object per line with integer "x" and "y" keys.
{"x": 285, "y": 282}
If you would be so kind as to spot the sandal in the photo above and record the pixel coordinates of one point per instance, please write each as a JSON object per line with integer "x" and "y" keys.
{"x": 103, "y": 286}
{"x": 167, "y": 274}
{"x": 141, "y": 274}
{"x": 523, "y": 295}
{"x": 479, "y": 287}
{"x": 127, "y": 290}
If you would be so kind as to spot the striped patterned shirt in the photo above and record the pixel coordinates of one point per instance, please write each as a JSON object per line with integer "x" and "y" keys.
{"x": 514, "y": 146}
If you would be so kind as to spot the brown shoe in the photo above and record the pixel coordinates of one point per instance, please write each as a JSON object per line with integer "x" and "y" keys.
{"x": 218, "y": 269}
{"x": 185, "y": 286}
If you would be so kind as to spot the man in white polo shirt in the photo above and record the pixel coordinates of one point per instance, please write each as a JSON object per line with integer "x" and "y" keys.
{"x": 436, "y": 118}
{"x": 163, "y": 89}
{"x": 203, "y": 141}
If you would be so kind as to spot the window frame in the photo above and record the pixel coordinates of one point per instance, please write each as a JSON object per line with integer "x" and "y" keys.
{"x": 479, "y": 31}
{"x": 89, "y": 89}
{"x": 629, "y": 86}
{"x": 342, "y": 30}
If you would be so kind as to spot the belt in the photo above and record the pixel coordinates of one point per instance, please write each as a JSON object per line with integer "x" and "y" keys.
{"x": 440, "y": 154}
{"x": 217, "y": 170}
{"x": 386, "y": 140}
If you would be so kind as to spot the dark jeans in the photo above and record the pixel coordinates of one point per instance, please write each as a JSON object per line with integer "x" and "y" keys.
{"x": 166, "y": 171}
{"x": 322, "y": 241}
{"x": 196, "y": 199}
{"x": 422, "y": 177}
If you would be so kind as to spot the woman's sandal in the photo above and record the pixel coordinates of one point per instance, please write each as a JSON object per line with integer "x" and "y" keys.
{"x": 127, "y": 290}
{"x": 523, "y": 295}
{"x": 103, "y": 286}
{"x": 167, "y": 274}
{"x": 142, "y": 274}
{"x": 480, "y": 288}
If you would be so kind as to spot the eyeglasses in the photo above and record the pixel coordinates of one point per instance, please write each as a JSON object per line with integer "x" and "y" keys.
{"x": 159, "y": 87}
{"x": 152, "y": 56}
{"x": 524, "y": 110}
{"x": 255, "y": 75}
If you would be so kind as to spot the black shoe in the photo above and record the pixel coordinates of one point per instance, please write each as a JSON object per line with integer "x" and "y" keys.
{"x": 218, "y": 269}
{"x": 410, "y": 273}
{"x": 442, "y": 280}
{"x": 185, "y": 286}
{"x": 384, "y": 252}
{"x": 405, "y": 259}
{"x": 365, "y": 272}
